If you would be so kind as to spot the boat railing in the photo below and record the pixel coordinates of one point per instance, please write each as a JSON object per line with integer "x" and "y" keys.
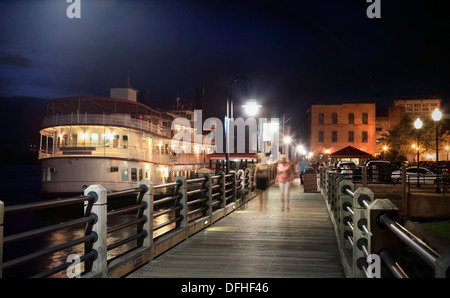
{"x": 124, "y": 120}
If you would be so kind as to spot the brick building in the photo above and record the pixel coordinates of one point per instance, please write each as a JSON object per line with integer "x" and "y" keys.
{"x": 337, "y": 126}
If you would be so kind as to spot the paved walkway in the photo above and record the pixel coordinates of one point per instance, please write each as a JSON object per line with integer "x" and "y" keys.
{"x": 254, "y": 243}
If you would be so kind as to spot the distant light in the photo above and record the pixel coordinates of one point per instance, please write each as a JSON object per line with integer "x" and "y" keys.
{"x": 436, "y": 115}
{"x": 287, "y": 140}
{"x": 299, "y": 148}
{"x": 385, "y": 148}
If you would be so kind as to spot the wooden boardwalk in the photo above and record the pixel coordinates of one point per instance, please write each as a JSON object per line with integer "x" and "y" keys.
{"x": 254, "y": 243}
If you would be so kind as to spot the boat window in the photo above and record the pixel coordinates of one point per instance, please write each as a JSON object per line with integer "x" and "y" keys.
{"x": 74, "y": 140}
{"x": 64, "y": 140}
{"x": 133, "y": 174}
{"x": 94, "y": 139}
{"x": 125, "y": 141}
{"x": 140, "y": 174}
{"x": 124, "y": 174}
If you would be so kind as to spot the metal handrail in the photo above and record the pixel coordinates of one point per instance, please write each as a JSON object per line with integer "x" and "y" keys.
{"x": 416, "y": 244}
{"x": 48, "y": 204}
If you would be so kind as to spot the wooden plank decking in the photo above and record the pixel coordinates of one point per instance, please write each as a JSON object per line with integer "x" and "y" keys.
{"x": 250, "y": 243}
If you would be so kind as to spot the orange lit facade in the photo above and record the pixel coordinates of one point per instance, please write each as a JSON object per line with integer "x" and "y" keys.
{"x": 334, "y": 127}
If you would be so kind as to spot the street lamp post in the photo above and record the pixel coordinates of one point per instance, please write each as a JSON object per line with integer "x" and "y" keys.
{"x": 229, "y": 116}
{"x": 418, "y": 125}
{"x": 437, "y": 115}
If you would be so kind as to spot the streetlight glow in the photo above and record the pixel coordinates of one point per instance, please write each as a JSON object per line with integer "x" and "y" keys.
{"x": 436, "y": 115}
{"x": 287, "y": 140}
{"x": 251, "y": 108}
{"x": 418, "y": 124}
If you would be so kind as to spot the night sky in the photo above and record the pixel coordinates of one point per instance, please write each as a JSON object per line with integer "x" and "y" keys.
{"x": 296, "y": 53}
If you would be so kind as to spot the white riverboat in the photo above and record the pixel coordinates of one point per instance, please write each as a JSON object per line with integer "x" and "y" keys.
{"x": 114, "y": 141}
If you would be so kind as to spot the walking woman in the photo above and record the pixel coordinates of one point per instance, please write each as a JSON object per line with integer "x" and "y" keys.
{"x": 284, "y": 178}
{"x": 260, "y": 179}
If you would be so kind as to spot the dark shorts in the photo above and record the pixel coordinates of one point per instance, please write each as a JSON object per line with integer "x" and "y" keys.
{"x": 261, "y": 183}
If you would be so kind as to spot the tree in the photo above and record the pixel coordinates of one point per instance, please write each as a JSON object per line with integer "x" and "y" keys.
{"x": 404, "y": 135}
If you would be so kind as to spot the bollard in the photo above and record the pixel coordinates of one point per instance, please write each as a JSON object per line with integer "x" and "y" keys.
{"x": 99, "y": 207}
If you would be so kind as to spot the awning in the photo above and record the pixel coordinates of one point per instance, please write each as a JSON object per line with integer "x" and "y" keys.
{"x": 350, "y": 151}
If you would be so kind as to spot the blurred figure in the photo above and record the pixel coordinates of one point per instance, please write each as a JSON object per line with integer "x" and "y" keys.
{"x": 261, "y": 177}
{"x": 285, "y": 175}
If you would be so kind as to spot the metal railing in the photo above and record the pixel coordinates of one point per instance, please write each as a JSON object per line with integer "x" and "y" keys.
{"x": 367, "y": 228}
{"x": 373, "y": 175}
{"x": 163, "y": 216}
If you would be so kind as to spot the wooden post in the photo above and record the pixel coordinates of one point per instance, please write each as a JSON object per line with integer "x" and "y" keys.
{"x": 100, "y": 228}
{"x": 2, "y": 212}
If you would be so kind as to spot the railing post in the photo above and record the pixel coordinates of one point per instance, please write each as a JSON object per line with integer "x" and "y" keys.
{"x": 2, "y": 212}
{"x": 405, "y": 190}
{"x": 381, "y": 238}
{"x": 364, "y": 176}
{"x": 345, "y": 201}
{"x": 208, "y": 193}
{"x": 442, "y": 269}
{"x": 100, "y": 264}
{"x": 182, "y": 190}
{"x": 148, "y": 212}
{"x": 222, "y": 188}
{"x": 233, "y": 185}
{"x": 361, "y": 238}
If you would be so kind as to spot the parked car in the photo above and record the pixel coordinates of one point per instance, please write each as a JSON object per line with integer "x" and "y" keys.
{"x": 426, "y": 176}
{"x": 349, "y": 169}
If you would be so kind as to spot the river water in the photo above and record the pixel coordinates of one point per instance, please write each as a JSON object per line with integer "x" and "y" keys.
{"x": 21, "y": 184}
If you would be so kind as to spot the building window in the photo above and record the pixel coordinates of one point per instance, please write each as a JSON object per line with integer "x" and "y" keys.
{"x": 334, "y": 136}
{"x": 365, "y": 137}
{"x": 351, "y": 136}
{"x": 351, "y": 118}
{"x": 320, "y": 136}
{"x": 365, "y": 118}
{"x": 321, "y": 118}
{"x": 334, "y": 118}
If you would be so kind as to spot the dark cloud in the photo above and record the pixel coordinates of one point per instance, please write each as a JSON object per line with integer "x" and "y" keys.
{"x": 14, "y": 60}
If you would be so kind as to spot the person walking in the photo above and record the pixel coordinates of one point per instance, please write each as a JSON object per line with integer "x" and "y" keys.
{"x": 284, "y": 178}
{"x": 260, "y": 179}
